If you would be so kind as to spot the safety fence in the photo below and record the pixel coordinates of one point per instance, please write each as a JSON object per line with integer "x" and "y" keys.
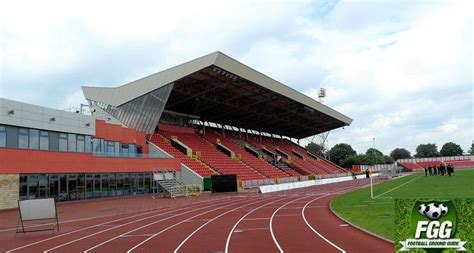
{"x": 185, "y": 190}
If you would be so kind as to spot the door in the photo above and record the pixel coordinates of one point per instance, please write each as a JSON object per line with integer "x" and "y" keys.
{"x": 97, "y": 186}
{"x": 72, "y": 187}
{"x": 54, "y": 186}
{"x": 89, "y": 186}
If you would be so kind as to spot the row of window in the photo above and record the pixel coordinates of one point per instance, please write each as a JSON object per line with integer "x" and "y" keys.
{"x": 67, "y": 187}
{"x": 28, "y": 138}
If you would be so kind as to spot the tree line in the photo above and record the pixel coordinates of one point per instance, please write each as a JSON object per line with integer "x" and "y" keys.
{"x": 345, "y": 156}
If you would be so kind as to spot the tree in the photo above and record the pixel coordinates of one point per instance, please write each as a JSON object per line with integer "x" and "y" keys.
{"x": 400, "y": 153}
{"x": 314, "y": 148}
{"x": 451, "y": 149}
{"x": 372, "y": 151}
{"x": 340, "y": 152}
{"x": 388, "y": 159}
{"x": 427, "y": 150}
{"x": 351, "y": 160}
{"x": 471, "y": 152}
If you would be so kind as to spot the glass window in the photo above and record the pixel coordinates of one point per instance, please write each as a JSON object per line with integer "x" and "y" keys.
{"x": 62, "y": 142}
{"x": 44, "y": 140}
{"x": 88, "y": 144}
{"x": 117, "y": 148}
{"x": 80, "y": 143}
{"x": 71, "y": 141}
{"x": 110, "y": 148}
{"x": 23, "y": 138}
{"x": 3, "y": 137}
{"x": 34, "y": 139}
{"x": 131, "y": 150}
{"x": 96, "y": 146}
{"x": 124, "y": 150}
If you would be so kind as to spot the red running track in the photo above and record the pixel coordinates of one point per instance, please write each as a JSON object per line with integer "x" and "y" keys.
{"x": 291, "y": 221}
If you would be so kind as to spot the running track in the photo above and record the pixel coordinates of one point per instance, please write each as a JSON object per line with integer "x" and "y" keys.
{"x": 290, "y": 221}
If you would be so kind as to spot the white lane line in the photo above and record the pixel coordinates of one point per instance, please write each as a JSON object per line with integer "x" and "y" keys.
{"x": 144, "y": 235}
{"x": 398, "y": 186}
{"x": 124, "y": 224}
{"x": 203, "y": 225}
{"x": 147, "y": 225}
{"x": 271, "y": 223}
{"x": 242, "y": 218}
{"x": 176, "y": 224}
{"x": 84, "y": 219}
{"x": 266, "y": 218}
{"x": 314, "y": 230}
{"x": 89, "y": 227}
{"x": 249, "y": 229}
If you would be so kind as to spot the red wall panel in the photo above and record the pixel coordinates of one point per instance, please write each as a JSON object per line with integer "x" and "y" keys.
{"x": 36, "y": 161}
{"x": 112, "y": 132}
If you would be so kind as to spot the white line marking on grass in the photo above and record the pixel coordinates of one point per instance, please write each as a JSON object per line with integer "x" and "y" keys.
{"x": 244, "y": 218}
{"x": 203, "y": 225}
{"x": 397, "y": 187}
{"x": 149, "y": 224}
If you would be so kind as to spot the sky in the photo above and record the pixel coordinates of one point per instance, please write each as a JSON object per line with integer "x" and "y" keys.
{"x": 403, "y": 70}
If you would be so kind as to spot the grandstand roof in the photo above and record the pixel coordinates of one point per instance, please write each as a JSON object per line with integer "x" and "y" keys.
{"x": 217, "y": 88}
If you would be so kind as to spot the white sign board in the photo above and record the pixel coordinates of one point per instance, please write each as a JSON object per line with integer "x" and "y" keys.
{"x": 302, "y": 184}
{"x": 35, "y": 209}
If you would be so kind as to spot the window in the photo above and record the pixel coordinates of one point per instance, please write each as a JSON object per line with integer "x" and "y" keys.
{"x": 96, "y": 146}
{"x": 23, "y": 138}
{"x": 132, "y": 150}
{"x": 80, "y": 143}
{"x": 34, "y": 139}
{"x": 71, "y": 141}
{"x": 110, "y": 148}
{"x": 117, "y": 148}
{"x": 3, "y": 137}
{"x": 62, "y": 142}
{"x": 88, "y": 144}
{"x": 44, "y": 140}
{"x": 124, "y": 150}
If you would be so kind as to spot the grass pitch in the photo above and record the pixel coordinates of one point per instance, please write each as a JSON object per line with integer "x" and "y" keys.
{"x": 377, "y": 215}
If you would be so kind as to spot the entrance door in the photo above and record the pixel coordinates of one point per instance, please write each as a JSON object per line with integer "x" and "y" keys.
{"x": 81, "y": 186}
{"x": 72, "y": 187}
{"x": 54, "y": 186}
{"x": 97, "y": 188}
{"x": 89, "y": 186}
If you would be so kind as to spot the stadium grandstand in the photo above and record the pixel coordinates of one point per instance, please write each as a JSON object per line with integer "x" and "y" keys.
{"x": 209, "y": 116}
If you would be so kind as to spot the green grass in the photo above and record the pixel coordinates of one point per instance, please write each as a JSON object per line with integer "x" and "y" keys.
{"x": 377, "y": 215}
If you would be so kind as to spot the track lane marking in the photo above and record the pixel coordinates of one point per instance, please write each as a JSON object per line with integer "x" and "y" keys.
{"x": 90, "y": 227}
{"x": 176, "y": 224}
{"x": 242, "y": 218}
{"x": 195, "y": 231}
{"x": 271, "y": 223}
{"x": 128, "y": 223}
{"x": 152, "y": 223}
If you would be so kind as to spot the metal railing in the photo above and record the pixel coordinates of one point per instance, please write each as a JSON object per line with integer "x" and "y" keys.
{"x": 186, "y": 190}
